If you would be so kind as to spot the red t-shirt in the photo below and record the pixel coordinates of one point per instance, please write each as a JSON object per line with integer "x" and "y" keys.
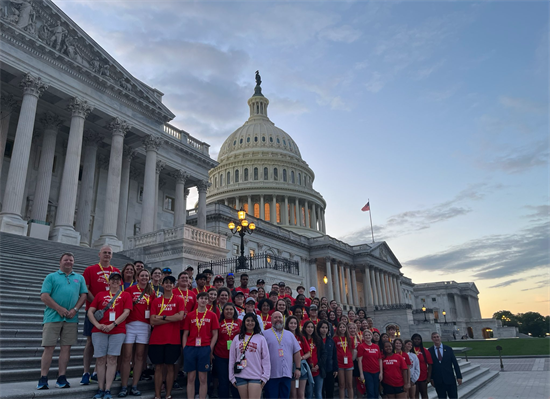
{"x": 342, "y": 343}
{"x": 405, "y": 357}
{"x": 196, "y": 290}
{"x": 374, "y": 329}
{"x": 168, "y": 333}
{"x": 144, "y": 304}
{"x": 423, "y": 366}
{"x": 123, "y": 301}
{"x": 97, "y": 278}
{"x": 371, "y": 355}
{"x": 207, "y": 322}
{"x": 266, "y": 321}
{"x": 189, "y": 302}
{"x": 313, "y": 360}
{"x": 307, "y": 302}
{"x": 304, "y": 345}
{"x": 229, "y": 329}
{"x": 393, "y": 374}
{"x": 245, "y": 291}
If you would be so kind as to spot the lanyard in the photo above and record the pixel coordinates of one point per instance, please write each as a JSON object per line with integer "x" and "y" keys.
{"x": 265, "y": 321}
{"x": 278, "y": 339}
{"x": 162, "y": 306}
{"x": 229, "y": 330}
{"x": 199, "y": 324}
{"x": 246, "y": 343}
{"x": 157, "y": 291}
{"x": 186, "y": 298}
{"x": 105, "y": 274}
{"x": 116, "y": 298}
{"x": 147, "y": 298}
{"x": 311, "y": 346}
{"x": 344, "y": 347}
{"x": 211, "y": 307}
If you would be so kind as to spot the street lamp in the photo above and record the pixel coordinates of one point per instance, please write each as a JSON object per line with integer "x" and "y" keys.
{"x": 325, "y": 279}
{"x": 445, "y": 315}
{"x": 242, "y": 228}
{"x": 424, "y": 310}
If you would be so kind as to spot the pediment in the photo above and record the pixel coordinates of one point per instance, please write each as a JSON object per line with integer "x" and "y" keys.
{"x": 382, "y": 251}
{"x": 56, "y": 37}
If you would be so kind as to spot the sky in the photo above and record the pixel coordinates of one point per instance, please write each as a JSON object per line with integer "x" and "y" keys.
{"x": 436, "y": 112}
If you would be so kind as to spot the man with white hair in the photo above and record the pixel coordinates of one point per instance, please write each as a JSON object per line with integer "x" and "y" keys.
{"x": 284, "y": 353}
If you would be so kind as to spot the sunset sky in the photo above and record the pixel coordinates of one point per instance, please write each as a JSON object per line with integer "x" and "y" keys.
{"x": 435, "y": 111}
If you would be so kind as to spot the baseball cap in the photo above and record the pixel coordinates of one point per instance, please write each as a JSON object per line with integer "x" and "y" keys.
{"x": 312, "y": 289}
{"x": 260, "y": 281}
{"x": 205, "y": 271}
{"x": 189, "y": 268}
{"x": 253, "y": 289}
{"x": 282, "y": 284}
{"x": 300, "y": 286}
{"x": 250, "y": 299}
{"x": 169, "y": 278}
{"x": 167, "y": 270}
{"x": 238, "y": 293}
{"x": 313, "y": 307}
{"x": 115, "y": 274}
{"x": 218, "y": 277}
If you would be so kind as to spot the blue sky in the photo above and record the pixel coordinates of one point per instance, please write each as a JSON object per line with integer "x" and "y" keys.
{"x": 436, "y": 111}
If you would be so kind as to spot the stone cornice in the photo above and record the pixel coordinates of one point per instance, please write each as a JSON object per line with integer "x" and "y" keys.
{"x": 188, "y": 150}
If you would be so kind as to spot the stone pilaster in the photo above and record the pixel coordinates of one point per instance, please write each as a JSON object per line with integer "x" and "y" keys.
{"x": 336, "y": 279}
{"x": 250, "y": 206}
{"x": 7, "y": 105}
{"x": 400, "y": 290}
{"x": 314, "y": 216}
{"x": 348, "y": 282}
{"x": 127, "y": 155}
{"x": 372, "y": 274}
{"x": 201, "y": 213}
{"x": 354, "y": 291}
{"x": 152, "y": 145}
{"x": 381, "y": 297}
{"x": 10, "y": 218}
{"x": 366, "y": 288}
{"x": 158, "y": 186}
{"x": 330, "y": 279}
{"x": 91, "y": 141}
{"x": 262, "y": 207}
{"x": 180, "y": 211}
{"x": 64, "y": 230}
{"x": 306, "y": 211}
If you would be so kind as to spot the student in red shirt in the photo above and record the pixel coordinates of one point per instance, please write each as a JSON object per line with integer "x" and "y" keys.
{"x": 399, "y": 350}
{"x": 316, "y": 359}
{"x": 244, "y": 286}
{"x": 369, "y": 360}
{"x": 425, "y": 361}
{"x": 200, "y": 333}
{"x": 394, "y": 383}
{"x": 292, "y": 325}
{"x": 189, "y": 303}
{"x": 138, "y": 330}
{"x": 230, "y": 326}
{"x": 201, "y": 284}
{"x": 266, "y": 306}
{"x": 313, "y": 314}
{"x": 109, "y": 332}
{"x": 224, "y": 296}
{"x": 212, "y": 300}
{"x": 344, "y": 354}
{"x": 166, "y": 315}
{"x": 301, "y": 291}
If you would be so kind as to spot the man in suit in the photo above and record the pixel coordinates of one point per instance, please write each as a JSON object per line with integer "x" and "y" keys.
{"x": 442, "y": 377}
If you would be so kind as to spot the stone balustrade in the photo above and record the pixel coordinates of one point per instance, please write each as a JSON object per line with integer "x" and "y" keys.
{"x": 184, "y": 232}
{"x": 186, "y": 138}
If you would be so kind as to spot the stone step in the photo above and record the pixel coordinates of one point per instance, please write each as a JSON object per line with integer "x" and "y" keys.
{"x": 469, "y": 391}
{"x": 469, "y": 380}
{"x": 34, "y": 362}
{"x": 23, "y": 333}
{"x": 11, "y": 342}
{"x": 26, "y": 352}
{"x": 9, "y": 314}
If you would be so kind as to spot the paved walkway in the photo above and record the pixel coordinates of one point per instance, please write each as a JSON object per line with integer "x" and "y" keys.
{"x": 521, "y": 379}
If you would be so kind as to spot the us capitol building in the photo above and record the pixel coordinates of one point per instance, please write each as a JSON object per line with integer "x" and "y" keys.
{"x": 89, "y": 158}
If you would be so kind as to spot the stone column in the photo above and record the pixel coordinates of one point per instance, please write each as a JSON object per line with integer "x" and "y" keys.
{"x": 201, "y": 214}
{"x": 127, "y": 156}
{"x": 64, "y": 230}
{"x": 85, "y": 199}
{"x": 387, "y": 289}
{"x": 306, "y": 211}
{"x": 237, "y": 203}
{"x": 314, "y": 217}
{"x": 395, "y": 292}
{"x": 348, "y": 282}
{"x": 298, "y": 212}
{"x": 460, "y": 314}
{"x": 342, "y": 278}
{"x": 118, "y": 127}
{"x": 159, "y": 167}
{"x": 10, "y": 218}
{"x": 250, "y": 206}
{"x": 262, "y": 207}
{"x": 180, "y": 213}
{"x": 336, "y": 279}
{"x": 285, "y": 219}
{"x": 7, "y": 105}
{"x": 330, "y": 280}
{"x": 292, "y": 218}
{"x": 51, "y": 123}
{"x": 366, "y": 288}
{"x": 152, "y": 145}
{"x": 381, "y": 296}
{"x": 400, "y": 290}
{"x": 312, "y": 275}
{"x": 226, "y": 202}
{"x": 274, "y": 210}
{"x": 323, "y": 218}
{"x": 373, "y": 286}
{"x": 354, "y": 290}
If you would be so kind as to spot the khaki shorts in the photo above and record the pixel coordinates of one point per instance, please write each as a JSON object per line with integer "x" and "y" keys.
{"x": 66, "y": 332}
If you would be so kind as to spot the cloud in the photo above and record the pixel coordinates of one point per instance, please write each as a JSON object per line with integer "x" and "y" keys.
{"x": 539, "y": 212}
{"x": 375, "y": 83}
{"x": 522, "y": 105}
{"x": 425, "y": 72}
{"x": 493, "y": 256}
{"x": 507, "y": 283}
{"x": 538, "y": 285}
{"x": 519, "y": 159}
{"x": 344, "y": 34}
{"x": 408, "y": 222}
{"x": 442, "y": 95}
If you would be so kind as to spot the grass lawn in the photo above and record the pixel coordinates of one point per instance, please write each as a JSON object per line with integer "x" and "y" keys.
{"x": 510, "y": 347}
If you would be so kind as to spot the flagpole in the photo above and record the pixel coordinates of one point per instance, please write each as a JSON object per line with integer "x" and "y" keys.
{"x": 370, "y": 215}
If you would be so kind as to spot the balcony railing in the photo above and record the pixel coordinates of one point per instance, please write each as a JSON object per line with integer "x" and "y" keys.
{"x": 186, "y": 138}
{"x": 256, "y": 262}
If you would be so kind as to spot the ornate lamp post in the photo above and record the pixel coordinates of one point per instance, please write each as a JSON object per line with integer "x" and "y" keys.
{"x": 242, "y": 228}
{"x": 424, "y": 310}
{"x": 445, "y": 315}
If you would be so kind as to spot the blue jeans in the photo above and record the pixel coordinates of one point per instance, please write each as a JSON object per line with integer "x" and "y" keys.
{"x": 372, "y": 382}
{"x": 317, "y": 388}
{"x": 221, "y": 369}
{"x": 277, "y": 388}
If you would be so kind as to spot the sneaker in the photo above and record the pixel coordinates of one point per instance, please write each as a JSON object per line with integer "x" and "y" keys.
{"x": 62, "y": 382}
{"x": 176, "y": 385}
{"x": 42, "y": 383}
{"x": 107, "y": 395}
{"x": 99, "y": 394}
{"x": 135, "y": 392}
{"x": 85, "y": 379}
{"x": 93, "y": 378}
{"x": 123, "y": 392}
{"x": 117, "y": 376}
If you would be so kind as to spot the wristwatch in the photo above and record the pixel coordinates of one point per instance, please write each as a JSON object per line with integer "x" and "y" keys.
{"x": 114, "y": 322}
{"x": 299, "y": 368}
{"x": 76, "y": 310}
{"x": 164, "y": 317}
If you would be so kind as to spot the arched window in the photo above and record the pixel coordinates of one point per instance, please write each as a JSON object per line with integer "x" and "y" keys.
{"x": 275, "y": 174}
{"x": 240, "y": 141}
{"x": 228, "y": 178}
{"x": 278, "y": 213}
{"x": 255, "y": 173}
{"x": 256, "y": 138}
{"x": 248, "y": 139}
{"x": 278, "y": 141}
{"x": 284, "y": 174}
{"x": 292, "y": 177}
{"x": 299, "y": 179}
{"x": 267, "y": 214}
{"x": 266, "y": 173}
{"x": 245, "y": 207}
{"x": 263, "y": 138}
{"x": 221, "y": 179}
{"x": 271, "y": 139}
{"x": 245, "y": 174}
{"x": 236, "y": 175}
{"x": 257, "y": 211}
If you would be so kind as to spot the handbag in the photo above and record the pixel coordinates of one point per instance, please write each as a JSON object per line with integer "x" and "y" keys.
{"x": 98, "y": 314}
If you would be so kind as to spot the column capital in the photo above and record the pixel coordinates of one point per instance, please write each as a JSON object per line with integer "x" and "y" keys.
{"x": 203, "y": 185}
{"x": 118, "y": 126}
{"x": 91, "y": 137}
{"x": 128, "y": 153}
{"x": 8, "y": 103}
{"x": 180, "y": 175}
{"x": 328, "y": 259}
{"x": 51, "y": 121}
{"x": 160, "y": 166}
{"x": 186, "y": 193}
{"x": 33, "y": 85}
{"x": 80, "y": 107}
{"x": 151, "y": 142}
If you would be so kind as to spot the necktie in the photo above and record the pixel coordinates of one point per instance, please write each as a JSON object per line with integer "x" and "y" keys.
{"x": 439, "y": 356}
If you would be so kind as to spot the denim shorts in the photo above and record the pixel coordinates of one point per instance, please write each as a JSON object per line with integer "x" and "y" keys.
{"x": 244, "y": 381}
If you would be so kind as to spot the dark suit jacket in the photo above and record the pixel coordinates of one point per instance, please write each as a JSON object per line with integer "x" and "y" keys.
{"x": 442, "y": 372}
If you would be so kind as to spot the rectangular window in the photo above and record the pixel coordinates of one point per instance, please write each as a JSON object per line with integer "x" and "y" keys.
{"x": 9, "y": 149}
{"x": 140, "y": 194}
{"x": 252, "y": 253}
{"x": 433, "y": 299}
{"x": 169, "y": 203}
{"x": 235, "y": 249}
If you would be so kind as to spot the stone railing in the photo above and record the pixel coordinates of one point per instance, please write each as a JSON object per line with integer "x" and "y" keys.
{"x": 184, "y": 232}
{"x": 395, "y": 306}
{"x": 186, "y": 138}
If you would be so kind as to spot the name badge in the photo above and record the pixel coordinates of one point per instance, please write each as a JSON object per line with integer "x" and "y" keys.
{"x": 281, "y": 354}
{"x": 229, "y": 345}
{"x": 147, "y": 314}
{"x": 346, "y": 360}
{"x": 198, "y": 342}
{"x": 243, "y": 363}
{"x": 107, "y": 288}
{"x": 112, "y": 316}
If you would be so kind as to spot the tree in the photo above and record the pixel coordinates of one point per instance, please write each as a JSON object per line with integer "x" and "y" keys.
{"x": 507, "y": 318}
{"x": 533, "y": 323}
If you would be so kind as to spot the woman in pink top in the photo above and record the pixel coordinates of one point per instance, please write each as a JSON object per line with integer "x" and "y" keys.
{"x": 249, "y": 356}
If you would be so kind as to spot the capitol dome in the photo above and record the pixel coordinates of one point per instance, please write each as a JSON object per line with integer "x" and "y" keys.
{"x": 261, "y": 170}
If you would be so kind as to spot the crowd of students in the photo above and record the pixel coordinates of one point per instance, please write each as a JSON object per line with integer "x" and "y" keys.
{"x": 243, "y": 340}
